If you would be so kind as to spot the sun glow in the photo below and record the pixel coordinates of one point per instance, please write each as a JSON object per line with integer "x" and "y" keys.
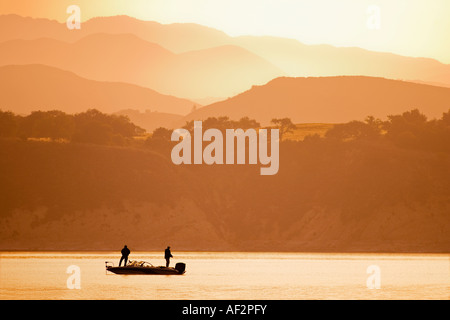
{"x": 412, "y": 28}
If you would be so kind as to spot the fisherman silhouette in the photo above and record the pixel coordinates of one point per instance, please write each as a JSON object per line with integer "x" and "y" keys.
{"x": 125, "y": 253}
{"x": 167, "y": 256}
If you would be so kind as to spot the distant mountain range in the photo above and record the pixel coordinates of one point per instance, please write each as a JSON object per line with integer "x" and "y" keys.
{"x": 258, "y": 75}
{"x": 178, "y": 37}
{"x": 220, "y": 71}
{"x": 27, "y": 88}
{"x": 213, "y": 57}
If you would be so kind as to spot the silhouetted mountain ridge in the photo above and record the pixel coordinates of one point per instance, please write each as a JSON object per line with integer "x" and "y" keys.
{"x": 328, "y": 99}
{"x": 27, "y": 88}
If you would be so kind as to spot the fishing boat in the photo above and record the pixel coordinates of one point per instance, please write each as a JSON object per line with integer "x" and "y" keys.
{"x": 143, "y": 267}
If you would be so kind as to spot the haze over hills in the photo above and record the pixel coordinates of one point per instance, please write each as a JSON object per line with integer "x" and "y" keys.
{"x": 291, "y": 56}
{"x": 329, "y": 99}
{"x": 223, "y": 66}
{"x": 300, "y": 60}
{"x": 178, "y": 37}
{"x": 219, "y": 71}
{"x": 27, "y": 88}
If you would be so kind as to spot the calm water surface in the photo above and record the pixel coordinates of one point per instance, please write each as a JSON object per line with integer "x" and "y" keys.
{"x": 210, "y": 275}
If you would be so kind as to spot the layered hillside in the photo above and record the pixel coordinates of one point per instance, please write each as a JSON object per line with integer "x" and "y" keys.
{"x": 27, "y": 88}
{"x": 329, "y": 99}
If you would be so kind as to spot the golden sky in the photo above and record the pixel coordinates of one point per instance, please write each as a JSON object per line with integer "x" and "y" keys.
{"x": 407, "y": 27}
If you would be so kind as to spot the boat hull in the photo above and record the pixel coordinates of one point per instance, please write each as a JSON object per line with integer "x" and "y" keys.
{"x": 145, "y": 270}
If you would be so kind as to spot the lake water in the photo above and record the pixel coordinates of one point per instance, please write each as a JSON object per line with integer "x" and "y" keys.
{"x": 231, "y": 276}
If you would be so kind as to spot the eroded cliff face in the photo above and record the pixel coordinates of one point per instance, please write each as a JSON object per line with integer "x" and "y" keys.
{"x": 186, "y": 227}
{"x": 144, "y": 227}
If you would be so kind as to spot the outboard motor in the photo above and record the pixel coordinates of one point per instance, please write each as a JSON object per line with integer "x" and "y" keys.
{"x": 180, "y": 267}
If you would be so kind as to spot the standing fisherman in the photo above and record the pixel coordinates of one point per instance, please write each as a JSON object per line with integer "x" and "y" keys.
{"x": 167, "y": 256}
{"x": 125, "y": 253}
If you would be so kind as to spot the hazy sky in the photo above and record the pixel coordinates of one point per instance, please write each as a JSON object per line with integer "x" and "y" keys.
{"x": 407, "y": 27}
